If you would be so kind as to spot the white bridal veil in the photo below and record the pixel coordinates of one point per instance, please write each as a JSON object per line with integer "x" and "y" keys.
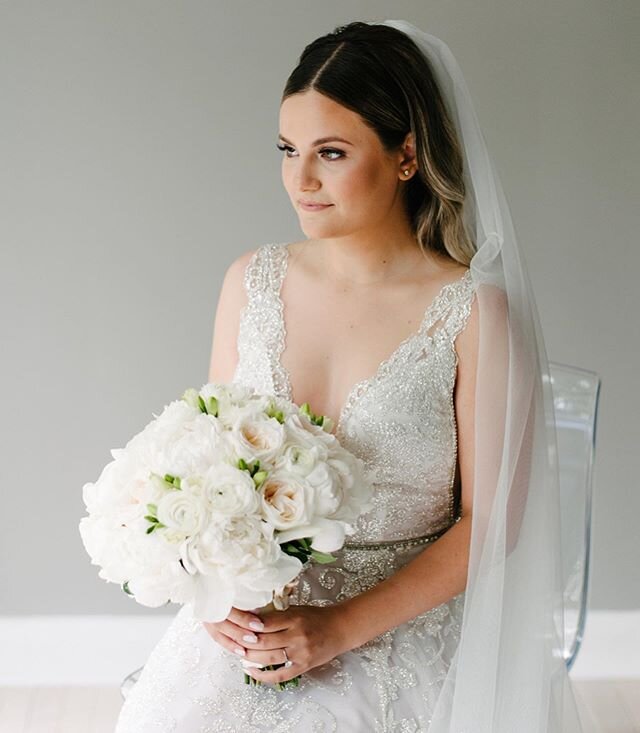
{"x": 508, "y": 675}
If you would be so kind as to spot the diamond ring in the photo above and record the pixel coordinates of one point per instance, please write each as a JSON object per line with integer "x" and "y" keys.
{"x": 287, "y": 661}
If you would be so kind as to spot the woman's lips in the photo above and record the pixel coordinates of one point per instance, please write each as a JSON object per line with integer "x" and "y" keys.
{"x": 314, "y": 207}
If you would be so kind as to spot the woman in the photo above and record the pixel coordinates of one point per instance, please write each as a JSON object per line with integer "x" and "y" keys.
{"x": 405, "y": 316}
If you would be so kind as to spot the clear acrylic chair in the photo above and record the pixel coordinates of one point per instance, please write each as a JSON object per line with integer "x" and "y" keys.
{"x": 575, "y": 397}
{"x": 129, "y": 681}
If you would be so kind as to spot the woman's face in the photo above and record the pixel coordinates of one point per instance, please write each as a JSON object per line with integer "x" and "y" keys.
{"x": 357, "y": 178}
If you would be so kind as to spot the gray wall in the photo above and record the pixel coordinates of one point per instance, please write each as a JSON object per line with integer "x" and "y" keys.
{"x": 138, "y": 159}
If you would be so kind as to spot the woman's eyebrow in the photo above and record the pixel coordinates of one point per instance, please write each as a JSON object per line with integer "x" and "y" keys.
{"x": 319, "y": 141}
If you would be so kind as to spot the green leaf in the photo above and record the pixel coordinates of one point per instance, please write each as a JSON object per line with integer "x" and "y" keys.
{"x": 152, "y": 508}
{"x": 125, "y": 588}
{"x": 201, "y": 405}
{"x": 322, "y": 557}
{"x": 213, "y": 406}
{"x": 151, "y": 518}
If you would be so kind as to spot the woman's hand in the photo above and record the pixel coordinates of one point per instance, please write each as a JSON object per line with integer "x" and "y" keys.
{"x": 234, "y": 632}
{"x": 311, "y": 636}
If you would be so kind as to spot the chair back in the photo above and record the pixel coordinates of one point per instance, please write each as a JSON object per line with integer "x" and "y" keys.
{"x": 575, "y": 398}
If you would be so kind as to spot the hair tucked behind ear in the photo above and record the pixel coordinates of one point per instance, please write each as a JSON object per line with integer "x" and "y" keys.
{"x": 379, "y": 72}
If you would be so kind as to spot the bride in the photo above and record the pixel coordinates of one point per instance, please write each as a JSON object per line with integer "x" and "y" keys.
{"x": 407, "y": 317}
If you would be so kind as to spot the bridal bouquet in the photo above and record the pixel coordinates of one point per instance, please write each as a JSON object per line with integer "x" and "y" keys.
{"x": 221, "y": 500}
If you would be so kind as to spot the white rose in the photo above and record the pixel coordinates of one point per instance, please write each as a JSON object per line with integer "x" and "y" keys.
{"x": 284, "y": 501}
{"x": 230, "y": 490}
{"x": 256, "y": 436}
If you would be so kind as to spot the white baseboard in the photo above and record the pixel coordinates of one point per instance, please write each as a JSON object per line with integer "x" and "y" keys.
{"x": 102, "y": 650}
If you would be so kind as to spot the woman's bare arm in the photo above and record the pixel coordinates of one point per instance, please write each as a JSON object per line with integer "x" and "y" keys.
{"x": 439, "y": 572}
{"x": 232, "y": 298}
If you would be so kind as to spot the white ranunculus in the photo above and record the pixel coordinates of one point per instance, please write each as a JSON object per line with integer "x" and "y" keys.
{"x": 304, "y": 432}
{"x": 233, "y": 399}
{"x": 182, "y": 510}
{"x": 230, "y": 490}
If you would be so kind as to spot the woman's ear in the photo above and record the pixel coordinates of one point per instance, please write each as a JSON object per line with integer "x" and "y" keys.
{"x": 408, "y": 157}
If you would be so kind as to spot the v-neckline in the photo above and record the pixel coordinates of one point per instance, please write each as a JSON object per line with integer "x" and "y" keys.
{"x": 361, "y": 386}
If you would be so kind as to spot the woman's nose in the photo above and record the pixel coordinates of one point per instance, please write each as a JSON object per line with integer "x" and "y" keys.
{"x": 307, "y": 178}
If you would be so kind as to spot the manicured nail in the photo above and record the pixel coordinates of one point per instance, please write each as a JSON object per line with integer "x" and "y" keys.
{"x": 239, "y": 651}
{"x": 256, "y": 625}
{"x": 251, "y": 638}
{"x": 249, "y": 665}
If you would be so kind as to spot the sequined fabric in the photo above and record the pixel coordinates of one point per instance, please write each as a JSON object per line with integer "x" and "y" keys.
{"x": 401, "y": 422}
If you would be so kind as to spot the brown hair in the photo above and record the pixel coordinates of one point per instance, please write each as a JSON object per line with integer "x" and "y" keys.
{"x": 380, "y": 73}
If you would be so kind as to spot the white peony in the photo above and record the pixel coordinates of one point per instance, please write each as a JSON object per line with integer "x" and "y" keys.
{"x": 238, "y": 561}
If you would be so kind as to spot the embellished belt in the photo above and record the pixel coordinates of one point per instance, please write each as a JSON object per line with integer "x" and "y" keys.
{"x": 393, "y": 544}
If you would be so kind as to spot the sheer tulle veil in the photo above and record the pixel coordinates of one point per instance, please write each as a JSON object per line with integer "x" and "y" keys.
{"x": 508, "y": 673}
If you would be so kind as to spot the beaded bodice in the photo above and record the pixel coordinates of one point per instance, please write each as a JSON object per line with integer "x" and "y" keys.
{"x": 401, "y": 421}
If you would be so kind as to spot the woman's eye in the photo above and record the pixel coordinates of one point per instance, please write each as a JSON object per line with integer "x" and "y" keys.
{"x": 332, "y": 150}
{"x": 289, "y": 150}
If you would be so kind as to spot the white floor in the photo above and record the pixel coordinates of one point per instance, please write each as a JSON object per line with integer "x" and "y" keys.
{"x": 612, "y": 706}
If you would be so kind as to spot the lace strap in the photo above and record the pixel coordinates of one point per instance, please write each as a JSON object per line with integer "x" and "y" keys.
{"x": 264, "y": 329}
{"x": 265, "y": 270}
{"x": 460, "y": 310}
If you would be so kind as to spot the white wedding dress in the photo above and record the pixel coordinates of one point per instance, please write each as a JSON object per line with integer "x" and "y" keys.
{"x": 401, "y": 422}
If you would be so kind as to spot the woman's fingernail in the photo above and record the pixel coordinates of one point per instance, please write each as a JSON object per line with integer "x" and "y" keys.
{"x": 251, "y": 638}
{"x": 247, "y": 664}
{"x": 256, "y": 625}
{"x": 239, "y": 651}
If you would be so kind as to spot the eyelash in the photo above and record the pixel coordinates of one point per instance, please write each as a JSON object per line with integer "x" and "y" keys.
{"x": 322, "y": 150}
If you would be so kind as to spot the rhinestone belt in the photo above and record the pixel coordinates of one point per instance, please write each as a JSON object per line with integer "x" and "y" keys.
{"x": 392, "y": 544}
